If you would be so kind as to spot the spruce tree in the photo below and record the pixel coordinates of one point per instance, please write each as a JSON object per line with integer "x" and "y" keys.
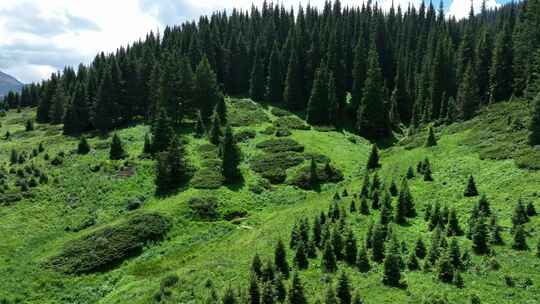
{"x": 274, "y": 82}
{"x": 357, "y": 299}
{"x": 337, "y": 243}
{"x": 214, "y": 135}
{"x": 343, "y": 289}
{"x": 392, "y": 265}
{"x": 231, "y": 157}
{"x": 410, "y": 173}
{"x": 454, "y": 253}
{"x": 280, "y": 259}
{"x": 480, "y": 237}
{"x": 412, "y": 261}
{"x": 279, "y": 288}
{"x": 254, "y": 291}
{"x": 267, "y": 295}
{"x": 364, "y": 192}
{"x": 453, "y": 228}
{"x": 372, "y": 116}
{"x": 467, "y": 99}
{"x": 431, "y": 140}
{"x": 362, "y": 261}
{"x": 471, "y": 189}
{"x": 445, "y": 269}
{"x": 59, "y": 102}
{"x": 377, "y": 243}
{"x": 83, "y": 147}
{"x": 177, "y": 163}
{"x": 300, "y": 259}
{"x": 534, "y": 127}
{"x": 330, "y": 296}
{"x": 117, "y": 151}
{"x": 495, "y": 231}
{"x": 256, "y": 265}
{"x": 458, "y": 279}
{"x": 501, "y": 68}
{"x": 420, "y": 248}
{"x": 200, "y": 127}
{"x": 405, "y": 198}
{"x": 221, "y": 110}
{"x": 351, "y": 249}
{"x": 318, "y": 105}
{"x": 77, "y": 118}
{"x": 484, "y": 206}
{"x": 520, "y": 238}
{"x": 364, "y": 207}
{"x": 373, "y": 160}
{"x": 294, "y": 92}
{"x": 296, "y": 291}
{"x": 519, "y": 217}
{"x": 256, "y": 84}
{"x": 147, "y": 147}
{"x": 163, "y": 131}
{"x": 329, "y": 263}
{"x": 394, "y": 191}
{"x": 29, "y": 125}
{"x": 531, "y": 210}
{"x": 313, "y": 178}
{"x": 229, "y": 297}
{"x": 206, "y": 93}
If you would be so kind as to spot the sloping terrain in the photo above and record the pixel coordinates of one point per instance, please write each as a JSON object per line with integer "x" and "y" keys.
{"x": 204, "y": 239}
{"x": 8, "y": 83}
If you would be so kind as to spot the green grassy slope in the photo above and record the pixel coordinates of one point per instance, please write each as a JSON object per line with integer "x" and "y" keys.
{"x": 34, "y": 228}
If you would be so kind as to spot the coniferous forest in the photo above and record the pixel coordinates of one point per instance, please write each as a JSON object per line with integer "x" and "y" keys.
{"x": 299, "y": 155}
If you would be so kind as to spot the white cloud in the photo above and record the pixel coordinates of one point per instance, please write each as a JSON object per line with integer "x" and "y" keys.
{"x": 461, "y": 8}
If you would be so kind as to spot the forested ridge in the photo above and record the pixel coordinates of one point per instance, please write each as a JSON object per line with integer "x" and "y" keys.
{"x": 372, "y": 68}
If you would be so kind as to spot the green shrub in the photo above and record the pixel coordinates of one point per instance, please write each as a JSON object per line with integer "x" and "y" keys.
{"x": 207, "y": 178}
{"x": 269, "y": 130}
{"x": 280, "y": 112}
{"x": 234, "y": 213}
{"x": 283, "y": 132}
{"x": 325, "y": 174}
{"x": 273, "y": 166}
{"x": 291, "y": 122}
{"x": 245, "y": 135}
{"x": 280, "y": 145}
{"x": 208, "y": 151}
{"x": 110, "y": 245}
{"x": 204, "y": 208}
{"x": 57, "y": 161}
{"x": 245, "y": 113}
{"x": 529, "y": 159}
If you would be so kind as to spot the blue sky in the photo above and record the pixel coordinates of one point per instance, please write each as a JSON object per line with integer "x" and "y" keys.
{"x": 38, "y": 37}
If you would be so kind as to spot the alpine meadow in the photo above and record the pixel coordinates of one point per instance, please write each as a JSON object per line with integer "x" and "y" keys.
{"x": 326, "y": 154}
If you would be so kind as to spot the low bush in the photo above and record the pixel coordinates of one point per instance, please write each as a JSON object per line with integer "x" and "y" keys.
{"x": 291, "y": 122}
{"x": 245, "y": 135}
{"x": 280, "y": 112}
{"x": 105, "y": 248}
{"x": 529, "y": 159}
{"x": 207, "y": 178}
{"x": 245, "y": 113}
{"x": 208, "y": 151}
{"x": 269, "y": 130}
{"x": 325, "y": 174}
{"x": 234, "y": 213}
{"x": 273, "y": 166}
{"x": 204, "y": 208}
{"x": 280, "y": 145}
{"x": 283, "y": 132}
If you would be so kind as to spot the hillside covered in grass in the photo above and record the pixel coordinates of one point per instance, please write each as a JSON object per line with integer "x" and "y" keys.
{"x": 78, "y": 227}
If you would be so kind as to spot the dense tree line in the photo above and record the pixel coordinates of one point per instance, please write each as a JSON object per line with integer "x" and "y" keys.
{"x": 405, "y": 65}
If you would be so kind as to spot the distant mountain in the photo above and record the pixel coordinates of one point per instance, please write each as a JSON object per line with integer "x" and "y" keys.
{"x": 8, "y": 83}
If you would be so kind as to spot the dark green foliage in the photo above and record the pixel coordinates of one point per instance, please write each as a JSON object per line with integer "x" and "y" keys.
{"x": 171, "y": 167}
{"x": 373, "y": 160}
{"x": 231, "y": 157}
{"x": 303, "y": 178}
{"x": 364, "y": 192}
{"x": 364, "y": 207}
{"x": 280, "y": 145}
{"x": 372, "y": 116}
{"x": 362, "y": 261}
{"x": 318, "y": 105}
{"x": 431, "y": 140}
{"x": 412, "y": 261}
{"x": 256, "y": 266}
{"x": 272, "y": 166}
{"x": 60, "y": 100}
{"x": 83, "y": 147}
{"x": 291, "y": 123}
{"x": 104, "y": 248}
{"x": 484, "y": 205}
{"x": 221, "y": 110}
{"x": 296, "y": 291}
{"x": 480, "y": 236}
{"x": 520, "y": 238}
{"x": 274, "y": 82}
{"x": 445, "y": 269}
{"x": 406, "y": 200}
{"x": 410, "y": 173}
{"x": 229, "y": 297}
{"x": 350, "y": 250}
{"x": 267, "y": 296}
{"x": 215, "y": 134}
{"x": 257, "y": 81}
{"x": 394, "y": 191}
{"x": 467, "y": 99}
{"x": 206, "y": 94}
{"x": 147, "y": 147}
{"x": 300, "y": 259}
{"x": 294, "y": 94}
{"x": 454, "y": 254}
{"x": 330, "y": 296}
{"x": 343, "y": 289}
{"x": 117, "y": 150}
{"x": 453, "y": 228}
{"x": 205, "y": 208}
{"x": 200, "y": 127}
{"x": 471, "y": 189}
{"x": 254, "y": 291}
{"x": 534, "y": 127}
{"x": 329, "y": 263}
{"x": 420, "y": 248}
{"x": 280, "y": 259}
{"x": 29, "y": 125}
{"x": 531, "y": 210}
{"x": 495, "y": 231}
{"x": 377, "y": 242}
{"x": 501, "y": 68}
{"x": 519, "y": 217}
{"x": 458, "y": 280}
{"x": 392, "y": 265}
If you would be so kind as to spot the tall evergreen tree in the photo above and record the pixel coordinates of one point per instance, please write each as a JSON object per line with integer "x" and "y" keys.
{"x": 207, "y": 93}
{"x": 117, "y": 150}
{"x": 257, "y": 81}
{"x": 373, "y": 160}
{"x": 343, "y": 289}
{"x": 318, "y": 105}
{"x": 501, "y": 68}
{"x": 231, "y": 157}
{"x": 534, "y": 127}
{"x": 274, "y": 82}
{"x": 468, "y": 99}
{"x": 392, "y": 264}
{"x": 296, "y": 292}
{"x": 372, "y": 116}
{"x": 280, "y": 259}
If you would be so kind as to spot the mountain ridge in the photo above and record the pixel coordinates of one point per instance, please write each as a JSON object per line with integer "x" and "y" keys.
{"x": 9, "y": 83}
